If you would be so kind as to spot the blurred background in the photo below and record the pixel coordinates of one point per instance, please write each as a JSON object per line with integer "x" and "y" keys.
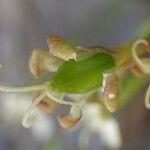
{"x": 25, "y": 25}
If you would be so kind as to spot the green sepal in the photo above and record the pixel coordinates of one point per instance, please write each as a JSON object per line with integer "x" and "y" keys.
{"x": 82, "y": 76}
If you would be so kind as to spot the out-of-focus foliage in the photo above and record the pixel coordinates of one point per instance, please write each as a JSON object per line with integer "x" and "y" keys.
{"x": 144, "y": 30}
{"x": 129, "y": 86}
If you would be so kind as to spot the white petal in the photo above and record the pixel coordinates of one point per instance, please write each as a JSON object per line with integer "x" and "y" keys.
{"x": 107, "y": 128}
{"x": 110, "y": 133}
{"x": 43, "y": 130}
{"x": 14, "y": 105}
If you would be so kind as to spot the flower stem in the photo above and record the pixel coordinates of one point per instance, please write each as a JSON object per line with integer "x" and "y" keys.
{"x": 24, "y": 89}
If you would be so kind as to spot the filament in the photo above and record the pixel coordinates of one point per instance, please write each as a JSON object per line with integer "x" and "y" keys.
{"x": 24, "y": 89}
{"x": 135, "y": 56}
{"x": 60, "y": 101}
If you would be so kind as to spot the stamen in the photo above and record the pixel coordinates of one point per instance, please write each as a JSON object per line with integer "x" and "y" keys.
{"x": 24, "y": 89}
{"x": 31, "y": 114}
{"x": 147, "y": 98}
{"x": 145, "y": 67}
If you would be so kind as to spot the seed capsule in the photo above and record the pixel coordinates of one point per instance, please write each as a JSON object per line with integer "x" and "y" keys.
{"x": 110, "y": 91}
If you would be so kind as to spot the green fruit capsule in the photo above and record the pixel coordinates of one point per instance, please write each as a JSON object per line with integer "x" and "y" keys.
{"x": 82, "y": 76}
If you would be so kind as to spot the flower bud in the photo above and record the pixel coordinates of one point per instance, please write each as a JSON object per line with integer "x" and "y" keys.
{"x": 41, "y": 60}
{"x": 59, "y": 48}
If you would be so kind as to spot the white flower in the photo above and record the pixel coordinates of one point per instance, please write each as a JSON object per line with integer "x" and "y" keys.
{"x": 13, "y": 106}
{"x": 107, "y": 128}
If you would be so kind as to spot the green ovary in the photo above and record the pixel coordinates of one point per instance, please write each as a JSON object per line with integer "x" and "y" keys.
{"x": 82, "y": 76}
